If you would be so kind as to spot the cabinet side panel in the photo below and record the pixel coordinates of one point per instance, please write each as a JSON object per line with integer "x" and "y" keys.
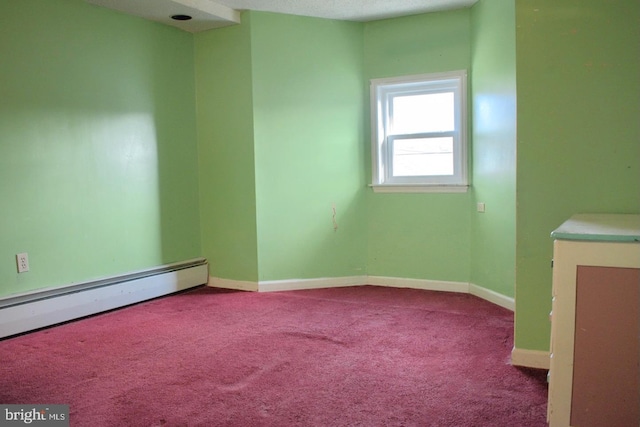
{"x": 607, "y": 351}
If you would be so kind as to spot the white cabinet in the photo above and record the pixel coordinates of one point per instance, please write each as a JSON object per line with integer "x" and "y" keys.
{"x": 595, "y": 322}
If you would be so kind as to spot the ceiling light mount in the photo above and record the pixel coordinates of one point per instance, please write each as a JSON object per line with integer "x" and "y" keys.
{"x": 181, "y": 17}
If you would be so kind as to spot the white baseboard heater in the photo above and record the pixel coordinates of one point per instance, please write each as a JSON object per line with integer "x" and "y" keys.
{"x": 26, "y": 312}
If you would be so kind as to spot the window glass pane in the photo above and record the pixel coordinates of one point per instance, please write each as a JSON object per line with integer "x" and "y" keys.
{"x": 423, "y": 156}
{"x": 432, "y": 112}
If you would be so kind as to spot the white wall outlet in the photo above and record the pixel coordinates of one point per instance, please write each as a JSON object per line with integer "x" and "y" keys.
{"x": 480, "y": 207}
{"x": 23, "y": 262}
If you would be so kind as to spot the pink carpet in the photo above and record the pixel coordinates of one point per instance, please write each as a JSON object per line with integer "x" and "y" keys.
{"x": 358, "y": 356}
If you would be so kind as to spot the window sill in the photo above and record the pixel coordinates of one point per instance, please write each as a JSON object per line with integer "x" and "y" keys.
{"x": 418, "y": 188}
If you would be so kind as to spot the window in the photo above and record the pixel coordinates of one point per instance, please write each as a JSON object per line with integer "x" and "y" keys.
{"x": 419, "y": 132}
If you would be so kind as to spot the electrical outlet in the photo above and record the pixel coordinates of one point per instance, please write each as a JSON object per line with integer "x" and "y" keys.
{"x": 23, "y": 262}
{"x": 480, "y": 207}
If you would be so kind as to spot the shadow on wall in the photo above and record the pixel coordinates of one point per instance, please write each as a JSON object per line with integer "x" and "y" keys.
{"x": 98, "y": 127}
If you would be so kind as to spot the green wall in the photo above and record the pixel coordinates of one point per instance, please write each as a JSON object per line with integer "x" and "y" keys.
{"x": 421, "y": 236}
{"x": 103, "y": 169}
{"x": 280, "y": 146}
{"x": 493, "y": 233}
{"x": 308, "y": 118}
{"x": 98, "y": 144}
{"x": 226, "y": 151}
{"x": 578, "y": 133}
{"x": 307, "y": 121}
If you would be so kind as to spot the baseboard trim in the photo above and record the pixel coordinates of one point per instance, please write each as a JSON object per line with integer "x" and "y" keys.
{"x": 238, "y": 285}
{"x": 492, "y": 296}
{"x": 428, "y": 285}
{"x": 530, "y": 358}
{"x": 299, "y": 284}
{"x": 38, "y": 309}
{"x": 286, "y": 285}
{"x": 394, "y": 282}
{"x": 335, "y": 282}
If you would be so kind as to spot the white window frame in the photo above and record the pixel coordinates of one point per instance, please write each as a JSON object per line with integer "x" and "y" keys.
{"x": 382, "y": 93}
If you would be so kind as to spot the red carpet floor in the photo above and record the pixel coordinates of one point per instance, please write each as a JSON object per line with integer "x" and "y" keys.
{"x": 358, "y": 356}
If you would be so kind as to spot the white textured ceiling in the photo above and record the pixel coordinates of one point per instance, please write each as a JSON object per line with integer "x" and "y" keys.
{"x": 209, "y": 14}
{"x": 350, "y": 10}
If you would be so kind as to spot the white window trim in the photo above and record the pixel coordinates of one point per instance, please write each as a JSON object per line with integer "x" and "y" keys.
{"x": 381, "y": 89}
{"x": 418, "y": 188}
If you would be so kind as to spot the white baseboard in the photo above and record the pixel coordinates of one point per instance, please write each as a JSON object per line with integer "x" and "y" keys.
{"x": 324, "y": 282}
{"x": 334, "y": 282}
{"x": 492, "y": 296}
{"x": 239, "y": 285}
{"x": 26, "y": 312}
{"x": 287, "y": 285}
{"x": 428, "y": 285}
{"x": 530, "y": 358}
{"x": 394, "y": 282}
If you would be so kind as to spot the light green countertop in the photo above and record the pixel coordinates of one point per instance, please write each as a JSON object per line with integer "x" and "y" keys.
{"x": 600, "y": 227}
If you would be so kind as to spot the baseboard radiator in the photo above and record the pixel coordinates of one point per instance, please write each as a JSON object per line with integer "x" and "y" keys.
{"x": 38, "y": 309}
